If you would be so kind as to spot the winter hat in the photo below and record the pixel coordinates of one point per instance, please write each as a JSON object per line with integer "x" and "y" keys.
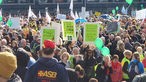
{"x": 49, "y": 44}
{"x": 8, "y": 64}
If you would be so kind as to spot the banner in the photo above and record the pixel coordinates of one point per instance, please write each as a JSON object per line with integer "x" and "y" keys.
{"x": 91, "y": 32}
{"x": 113, "y": 27}
{"x": 61, "y": 16}
{"x": 15, "y": 23}
{"x": 48, "y": 34}
{"x": 68, "y": 30}
{"x": 141, "y": 14}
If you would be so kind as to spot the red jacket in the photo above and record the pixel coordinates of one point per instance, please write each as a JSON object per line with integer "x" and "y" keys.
{"x": 116, "y": 76}
{"x": 144, "y": 63}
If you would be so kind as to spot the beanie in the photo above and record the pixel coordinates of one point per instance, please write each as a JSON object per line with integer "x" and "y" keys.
{"x": 8, "y": 64}
{"x": 49, "y": 44}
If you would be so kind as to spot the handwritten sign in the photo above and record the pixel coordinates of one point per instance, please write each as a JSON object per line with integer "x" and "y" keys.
{"x": 91, "y": 32}
{"x": 48, "y": 34}
{"x": 68, "y": 30}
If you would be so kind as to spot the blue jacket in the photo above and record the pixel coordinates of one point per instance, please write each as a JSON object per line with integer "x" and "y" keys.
{"x": 46, "y": 70}
{"x": 140, "y": 66}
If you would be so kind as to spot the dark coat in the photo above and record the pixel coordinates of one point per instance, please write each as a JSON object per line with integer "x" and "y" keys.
{"x": 46, "y": 70}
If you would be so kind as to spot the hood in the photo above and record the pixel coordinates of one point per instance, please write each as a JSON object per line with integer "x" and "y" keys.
{"x": 48, "y": 62}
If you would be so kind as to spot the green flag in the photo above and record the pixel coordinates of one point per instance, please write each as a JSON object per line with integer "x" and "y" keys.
{"x": 9, "y": 22}
{"x": 129, "y": 1}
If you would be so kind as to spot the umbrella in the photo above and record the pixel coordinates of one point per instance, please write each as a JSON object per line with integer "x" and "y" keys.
{"x": 81, "y": 20}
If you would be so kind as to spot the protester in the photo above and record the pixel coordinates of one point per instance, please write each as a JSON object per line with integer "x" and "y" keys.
{"x": 136, "y": 65}
{"x": 116, "y": 75}
{"x": 8, "y": 64}
{"x": 65, "y": 60}
{"x": 125, "y": 62}
{"x": 77, "y": 74}
{"x": 104, "y": 70}
{"x": 45, "y": 66}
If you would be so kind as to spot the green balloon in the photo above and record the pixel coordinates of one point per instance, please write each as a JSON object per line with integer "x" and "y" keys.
{"x": 114, "y": 11}
{"x": 129, "y": 1}
{"x": 105, "y": 51}
{"x": 98, "y": 43}
{"x": 117, "y": 8}
{"x": 1, "y": 2}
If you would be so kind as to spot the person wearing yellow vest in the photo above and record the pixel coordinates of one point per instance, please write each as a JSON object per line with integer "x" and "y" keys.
{"x": 140, "y": 51}
{"x": 125, "y": 62}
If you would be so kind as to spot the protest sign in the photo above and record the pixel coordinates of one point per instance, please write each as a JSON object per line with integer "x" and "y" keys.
{"x": 58, "y": 29}
{"x": 113, "y": 27}
{"x": 48, "y": 34}
{"x": 91, "y": 32}
{"x": 68, "y": 30}
{"x": 141, "y": 14}
{"x": 15, "y": 23}
{"x": 61, "y": 16}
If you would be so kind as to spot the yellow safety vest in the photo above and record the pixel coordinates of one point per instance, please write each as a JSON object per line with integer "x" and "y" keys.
{"x": 125, "y": 75}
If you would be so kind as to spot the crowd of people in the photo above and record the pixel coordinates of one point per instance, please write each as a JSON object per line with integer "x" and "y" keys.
{"x": 23, "y": 60}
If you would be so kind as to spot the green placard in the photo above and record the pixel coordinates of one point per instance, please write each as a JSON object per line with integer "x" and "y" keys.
{"x": 48, "y": 34}
{"x": 91, "y": 32}
{"x": 68, "y": 30}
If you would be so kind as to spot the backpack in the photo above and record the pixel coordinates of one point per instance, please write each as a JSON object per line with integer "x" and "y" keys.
{"x": 133, "y": 70}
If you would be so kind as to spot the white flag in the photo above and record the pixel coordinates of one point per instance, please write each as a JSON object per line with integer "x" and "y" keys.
{"x": 31, "y": 14}
{"x": 40, "y": 15}
{"x": 71, "y": 5}
{"x": 0, "y": 12}
{"x": 124, "y": 11}
{"x": 76, "y": 15}
{"x": 48, "y": 17}
{"x": 72, "y": 14}
{"x": 58, "y": 10}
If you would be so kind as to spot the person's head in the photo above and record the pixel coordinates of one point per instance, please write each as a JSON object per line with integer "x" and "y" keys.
{"x": 22, "y": 57}
{"x": 106, "y": 59}
{"x": 64, "y": 56}
{"x": 93, "y": 80}
{"x": 23, "y": 43}
{"x": 62, "y": 51}
{"x": 75, "y": 51}
{"x": 79, "y": 71}
{"x": 8, "y": 65}
{"x": 3, "y": 42}
{"x": 48, "y": 48}
{"x": 139, "y": 50}
{"x": 115, "y": 58}
{"x": 127, "y": 54}
{"x": 14, "y": 43}
{"x": 120, "y": 45}
{"x": 136, "y": 56}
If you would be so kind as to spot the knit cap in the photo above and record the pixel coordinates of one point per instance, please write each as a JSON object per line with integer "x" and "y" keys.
{"x": 8, "y": 64}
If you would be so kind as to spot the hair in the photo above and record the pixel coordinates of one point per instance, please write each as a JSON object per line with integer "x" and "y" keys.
{"x": 64, "y": 54}
{"x": 127, "y": 52}
{"x": 93, "y": 80}
{"x": 136, "y": 56}
{"x": 119, "y": 44}
{"x": 104, "y": 58}
{"x": 79, "y": 69}
{"x": 115, "y": 57}
{"x": 48, "y": 51}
